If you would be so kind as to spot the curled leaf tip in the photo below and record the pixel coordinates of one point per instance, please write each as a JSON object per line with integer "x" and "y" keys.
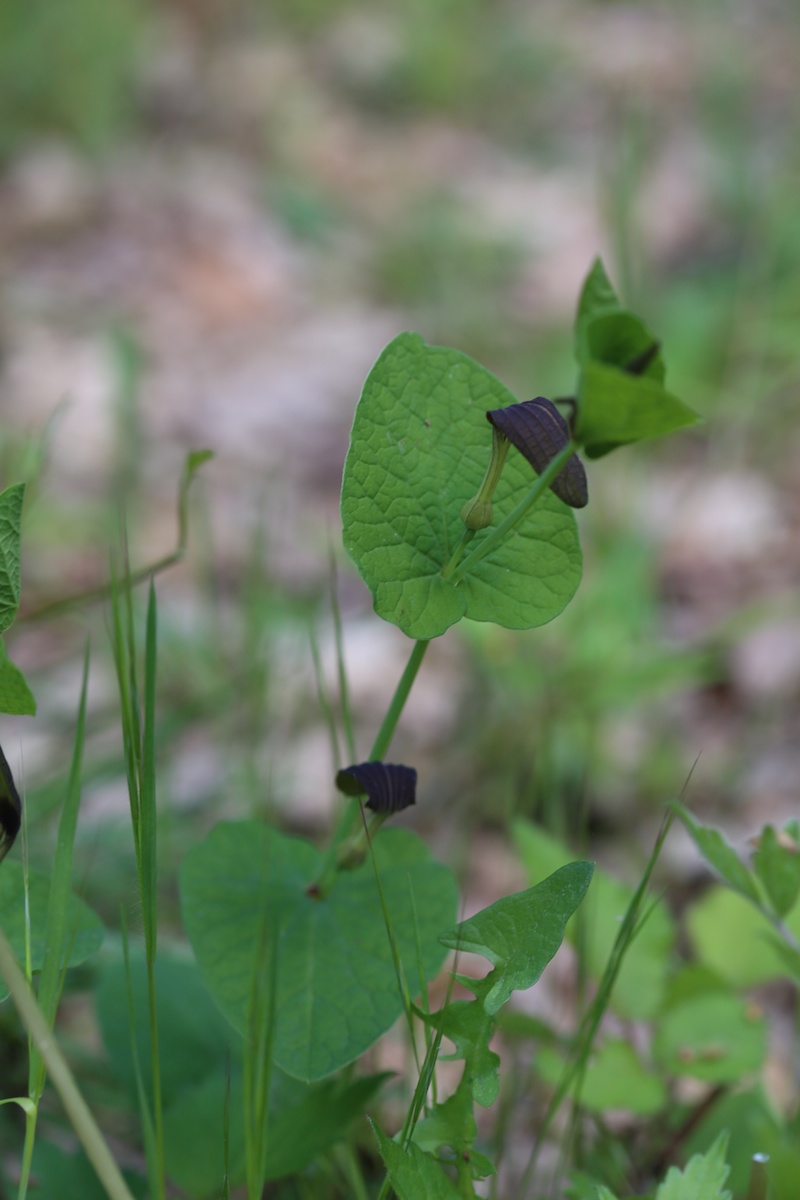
{"x": 539, "y": 432}
{"x": 390, "y": 787}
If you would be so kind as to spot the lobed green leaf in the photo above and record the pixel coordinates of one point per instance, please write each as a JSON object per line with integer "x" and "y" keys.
{"x": 519, "y": 934}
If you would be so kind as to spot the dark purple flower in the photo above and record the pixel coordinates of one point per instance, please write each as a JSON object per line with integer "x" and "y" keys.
{"x": 390, "y": 787}
{"x": 539, "y": 432}
{"x": 10, "y": 808}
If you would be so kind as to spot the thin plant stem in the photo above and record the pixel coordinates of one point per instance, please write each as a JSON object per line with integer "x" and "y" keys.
{"x": 455, "y": 571}
{"x": 61, "y": 1076}
{"x": 348, "y": 822}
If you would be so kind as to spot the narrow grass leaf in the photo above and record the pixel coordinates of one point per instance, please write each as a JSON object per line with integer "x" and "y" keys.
{"x": 58, "y": 934}
{"x": 147, "y": 792}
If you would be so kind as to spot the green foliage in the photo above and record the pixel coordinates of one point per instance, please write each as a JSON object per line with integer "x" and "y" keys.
{"x": 67, "y": 70}
{"x": 15, "y": 695}
{"x": 617, "y": 401}
{"x": 84, "y": 928}
{"x": 418, "y": 450}
{"x": 243, "y": 1071}
{"x": 336, "y": 988}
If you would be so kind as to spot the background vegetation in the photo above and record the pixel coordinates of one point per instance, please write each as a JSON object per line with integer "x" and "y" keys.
{"x": 212, "y": 217}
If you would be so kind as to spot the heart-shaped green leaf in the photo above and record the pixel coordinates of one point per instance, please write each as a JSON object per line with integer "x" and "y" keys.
{"x": 336, "y": 990}
{"x": 419, "y": 446}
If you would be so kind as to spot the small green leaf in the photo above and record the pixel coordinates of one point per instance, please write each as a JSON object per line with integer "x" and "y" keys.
{"x": 519, "y": 934}
{"x": 614, "y": 1079}
{"x": 720, "y": 855}
{"x": 336, "y": 988}
{"x": 597, "y": 295}
{"x": 615, "y": 408}
{"x": 413, "y": 1173}
{"x": 15, "y": 695}
{"x": 733, "y": 938}
{"x": 85, "y": 926}
{"x": 777, "y": 865}
{"x": 419, "y": 447}
{"x": 621, "y": 340}
{"x": 703, "y": 1178}
{"x": 716, "y": 1037}
{"x": 639, "y": 987}
{"x": 10, "y": 520}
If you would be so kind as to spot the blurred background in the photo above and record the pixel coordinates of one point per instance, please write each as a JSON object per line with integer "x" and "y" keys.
{"x": 213, "y": 216}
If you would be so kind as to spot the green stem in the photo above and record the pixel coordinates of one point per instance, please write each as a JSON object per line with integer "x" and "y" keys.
{"x": 338, "y": 854}
{"x": 386, "y": 731}
{"x": 74, "y": 1104}
{"x": 496, "y": 535}
{"x": 455, "y": 559}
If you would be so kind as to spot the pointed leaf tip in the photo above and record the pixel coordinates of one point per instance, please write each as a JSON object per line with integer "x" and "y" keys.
{"x": 391, "y": 787}
{"x": 539, "y": 432}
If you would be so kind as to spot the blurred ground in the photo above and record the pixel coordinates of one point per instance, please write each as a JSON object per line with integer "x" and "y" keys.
{"x": 213, "y": 217}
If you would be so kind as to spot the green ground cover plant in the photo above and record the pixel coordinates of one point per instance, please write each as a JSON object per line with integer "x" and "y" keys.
{"x": 247, "y": 1059}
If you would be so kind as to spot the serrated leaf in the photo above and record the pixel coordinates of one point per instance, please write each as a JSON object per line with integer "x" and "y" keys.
{"x": 702, "y": 1179}
{"x": 15, "y": 695}
{"x": 720, "y": 855}
{"x": 10, "y": 521}
{"x": 419, "y": 446}
{"x": 519, "y": 934}
{"x": 777, "y": 865}
{"x": 85, "y": 926}
{"x": 336, "y": 989}
{"x": 413, "y": 1173}
{"x": 615, "y": 408}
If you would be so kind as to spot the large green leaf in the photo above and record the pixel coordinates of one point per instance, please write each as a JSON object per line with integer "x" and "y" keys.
{"x": 336, "y": 990}
{"x": 86, "y": 928}
{"x": 10, "y": 518}
{"x": 419, "y": 446}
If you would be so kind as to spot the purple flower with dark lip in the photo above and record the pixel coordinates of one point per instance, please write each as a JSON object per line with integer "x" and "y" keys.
{"x": 391, "y": 787}
{"x": 539, "y": 432}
